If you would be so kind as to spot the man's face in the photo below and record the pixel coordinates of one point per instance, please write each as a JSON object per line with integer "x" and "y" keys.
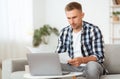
{"x": 75, "y": 18}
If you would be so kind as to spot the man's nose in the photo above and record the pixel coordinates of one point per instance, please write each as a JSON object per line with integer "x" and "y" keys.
{"x": 71, "y": 21}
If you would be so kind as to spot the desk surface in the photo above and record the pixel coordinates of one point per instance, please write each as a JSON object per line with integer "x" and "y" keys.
{"x": 29, "y": 76}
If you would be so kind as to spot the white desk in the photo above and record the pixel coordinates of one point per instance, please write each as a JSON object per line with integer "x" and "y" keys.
{"x": 72, "y": 75}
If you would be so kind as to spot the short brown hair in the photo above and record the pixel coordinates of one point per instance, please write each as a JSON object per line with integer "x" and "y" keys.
{"x": 73, "y": 5}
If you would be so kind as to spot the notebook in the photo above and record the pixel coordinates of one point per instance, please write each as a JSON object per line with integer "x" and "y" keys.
{"x": 64, "y": 57}
{"x": 44, "y": 64}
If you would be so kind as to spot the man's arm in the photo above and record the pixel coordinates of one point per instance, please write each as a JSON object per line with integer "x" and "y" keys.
{"x": 61, "y": 47}
{"x": 98, "y": 53}
{"x": 98, "y": 45}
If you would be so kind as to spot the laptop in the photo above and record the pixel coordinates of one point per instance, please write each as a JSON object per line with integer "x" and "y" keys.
{"x": 44, "y": 64}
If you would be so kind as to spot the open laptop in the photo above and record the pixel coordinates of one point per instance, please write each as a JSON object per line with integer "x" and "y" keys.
{"x": 44, "y": 64}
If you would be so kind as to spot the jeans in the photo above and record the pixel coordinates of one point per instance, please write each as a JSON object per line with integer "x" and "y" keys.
{"x": 92, "y": 70}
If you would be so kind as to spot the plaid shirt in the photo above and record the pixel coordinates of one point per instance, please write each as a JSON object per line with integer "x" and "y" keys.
{"x": 91, "y": 41}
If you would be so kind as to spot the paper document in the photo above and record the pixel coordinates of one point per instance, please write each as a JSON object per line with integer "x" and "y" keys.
{"x": 64, "y": 57}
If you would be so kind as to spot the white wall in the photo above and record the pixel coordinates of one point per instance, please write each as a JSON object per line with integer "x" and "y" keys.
{"x": 38, "y": 13}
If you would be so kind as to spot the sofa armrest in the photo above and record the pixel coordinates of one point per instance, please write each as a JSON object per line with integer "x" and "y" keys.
{"x": 12, "y": 65}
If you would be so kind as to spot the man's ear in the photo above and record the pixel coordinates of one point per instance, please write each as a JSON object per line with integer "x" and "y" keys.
{"x": 82, "y": 15}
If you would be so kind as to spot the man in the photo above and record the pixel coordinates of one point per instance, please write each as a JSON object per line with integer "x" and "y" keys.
{"x": 83, "y": 42}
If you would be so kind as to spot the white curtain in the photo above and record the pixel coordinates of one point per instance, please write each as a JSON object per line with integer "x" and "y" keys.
{"x": 16, "y": 24}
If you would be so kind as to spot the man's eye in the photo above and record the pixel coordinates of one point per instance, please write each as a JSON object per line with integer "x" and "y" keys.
{"x": 68, "y": 18}
{"x": 74, "y": 17}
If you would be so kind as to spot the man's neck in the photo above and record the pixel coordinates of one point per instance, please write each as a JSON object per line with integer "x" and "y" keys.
{"x": 77, "y": 30}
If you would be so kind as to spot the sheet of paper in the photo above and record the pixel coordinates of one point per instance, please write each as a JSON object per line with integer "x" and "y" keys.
{"x": 64, "y": 57}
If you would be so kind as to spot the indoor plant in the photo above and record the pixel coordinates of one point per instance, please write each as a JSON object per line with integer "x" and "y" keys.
{"x": 40, "y": 35}
{"x": 116, "y": 15}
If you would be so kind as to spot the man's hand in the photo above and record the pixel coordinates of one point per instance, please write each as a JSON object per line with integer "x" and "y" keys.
{"x": 80, "y": 60}
{"x": 75, "y": 61}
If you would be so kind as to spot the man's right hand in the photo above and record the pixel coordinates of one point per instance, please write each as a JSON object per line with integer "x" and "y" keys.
{"x": 75, "y": 61}
{"x": 80, "y": 60}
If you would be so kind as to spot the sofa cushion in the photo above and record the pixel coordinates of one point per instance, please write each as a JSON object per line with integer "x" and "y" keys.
{"x": 112, "y": 55}
{"x": 17, "y": 75}
{"x": 114, "y": 76}
{"x": 19, "y": 64}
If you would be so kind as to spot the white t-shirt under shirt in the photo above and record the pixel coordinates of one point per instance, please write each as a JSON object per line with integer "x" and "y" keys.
{"x": 77, "y": 45}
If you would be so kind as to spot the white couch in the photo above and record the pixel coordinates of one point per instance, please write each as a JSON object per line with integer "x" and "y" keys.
{"x": 15, "y": 68}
